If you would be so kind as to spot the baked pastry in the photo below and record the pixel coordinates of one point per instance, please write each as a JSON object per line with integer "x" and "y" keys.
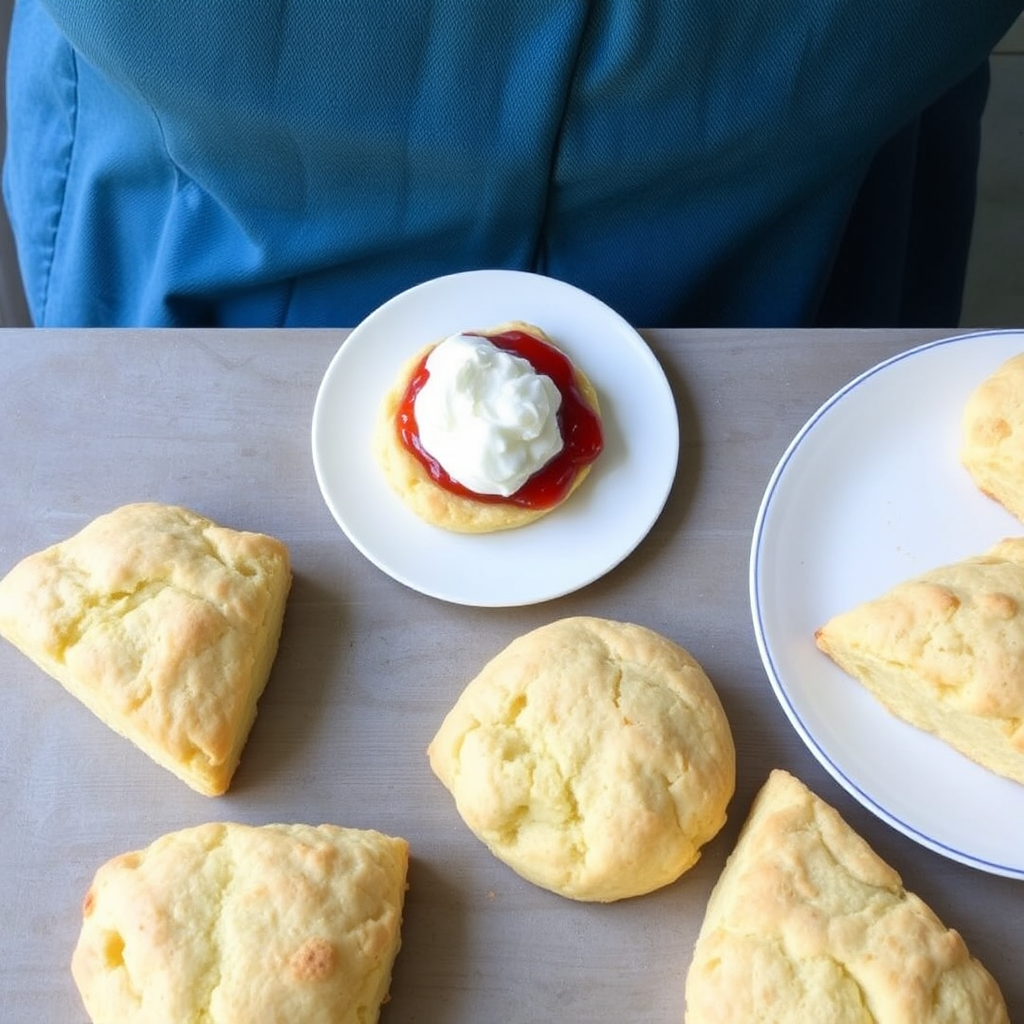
{"x": 593, "y": 757}
{"x": 497, "y": 429}
{"x": 227, "y": 923}
{"x": 945, "y": 652}
{"x": 808, "y": 923}
{"x": 164, "y": 624}
{"x": 992, "y": 435}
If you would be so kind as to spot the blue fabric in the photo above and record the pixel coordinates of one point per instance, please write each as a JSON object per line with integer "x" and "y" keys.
{"x": 297, "y": 162}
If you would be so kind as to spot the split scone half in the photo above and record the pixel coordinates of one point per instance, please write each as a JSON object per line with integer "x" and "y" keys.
{"x": 992, "y": 435}
{"x": 164, "y": 624}
{"x": 464, "y": 512}
{"x": 229, "y": 924}
{"x": 592, "y": 757}
{"x": 808, "y": 923}
{"x": 945, "y": 652}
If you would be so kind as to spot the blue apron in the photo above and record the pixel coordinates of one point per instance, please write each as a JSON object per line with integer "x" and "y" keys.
{"x": 691, "y": 162}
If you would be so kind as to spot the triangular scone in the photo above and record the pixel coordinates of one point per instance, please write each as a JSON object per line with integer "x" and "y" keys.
{"x": 231, "y": 924}
{"x": 992, "y": 435}
{"x": 807, "y": 923}
{"x": 163, "y": 624}
{"x": 945, "y": 652}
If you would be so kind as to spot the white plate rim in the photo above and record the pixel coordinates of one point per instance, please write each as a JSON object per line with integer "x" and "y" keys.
{"x": 480, "y": 298}
{"x": 873, "y": 801}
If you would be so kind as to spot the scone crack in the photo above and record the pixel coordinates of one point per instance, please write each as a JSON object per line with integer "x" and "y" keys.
{"x": 802, "y": 971}
{"x": 217, "y": 553}
{"x": 113, "y": 950}
{"x": 855, "y": 987}
{"x": 802, "y": 967}
{"x": 543, "y": 787}
{"x": 517, "y": 705}
{"x": 219, "y": 858}
{"x": 97, "y": 610}
{"x": 370, "y": 930}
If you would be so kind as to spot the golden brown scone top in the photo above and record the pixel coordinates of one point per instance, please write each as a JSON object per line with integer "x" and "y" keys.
{"x": 231, "y": 924}
{"x": 807, "y": 923}
{"x": 952, "y": 639}
{"x": 162, "y": 622}
{"x": 962, "y": 626}
{"x": 593, "y": 757}
{"x": 992, "y": 436}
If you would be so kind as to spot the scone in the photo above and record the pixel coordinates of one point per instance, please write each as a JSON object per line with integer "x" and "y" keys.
{"x": 487, "y": 463}
{"x": 162, "y": 623}
{"x": 592, "y": 757}
{"x": 806, "y": 923}
{"x": 992, "y": 435}
{"x": 232, "y": 924}
{"x": 945, "y": 652}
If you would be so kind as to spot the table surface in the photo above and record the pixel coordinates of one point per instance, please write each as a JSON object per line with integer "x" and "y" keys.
{"x": 220, "y": 422}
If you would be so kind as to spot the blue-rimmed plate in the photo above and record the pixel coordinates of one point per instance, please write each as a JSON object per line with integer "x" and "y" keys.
{"x": 601, "y": 523}
{"x": 870, "y": 492}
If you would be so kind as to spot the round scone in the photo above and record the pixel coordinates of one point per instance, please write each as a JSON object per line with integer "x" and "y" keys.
{"x": 593, "y": 757}
{"x": 992, "y": 441}
{"x": 497, "y": 423}
{"x": 228, "y": 924}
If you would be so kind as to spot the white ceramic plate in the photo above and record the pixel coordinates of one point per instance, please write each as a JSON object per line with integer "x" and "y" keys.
{"x": 570, "y": 547}
{"x": 871, "y": 492}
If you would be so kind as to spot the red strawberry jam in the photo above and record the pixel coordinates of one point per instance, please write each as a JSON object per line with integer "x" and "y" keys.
{"x": 579, "y": 424}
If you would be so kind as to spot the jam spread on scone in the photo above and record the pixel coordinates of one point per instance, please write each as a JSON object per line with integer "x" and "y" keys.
{"x": 578, "y": 424}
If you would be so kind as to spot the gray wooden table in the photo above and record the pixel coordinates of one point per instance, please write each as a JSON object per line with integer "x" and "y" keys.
{"x": 220, "y": 421}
